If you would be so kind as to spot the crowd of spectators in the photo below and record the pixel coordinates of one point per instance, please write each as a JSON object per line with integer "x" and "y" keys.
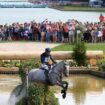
{"x": 48, "y": 31}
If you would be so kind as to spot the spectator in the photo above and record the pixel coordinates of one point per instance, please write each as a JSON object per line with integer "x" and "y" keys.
{"x": 54, "y": 31}
{"x": 101, "y": 18}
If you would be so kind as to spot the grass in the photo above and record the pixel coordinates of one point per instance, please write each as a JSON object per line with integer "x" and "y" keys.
{"x": 13, "y": 41}
{"x": 90, "y": 46}
{"x": 80, "y": 8}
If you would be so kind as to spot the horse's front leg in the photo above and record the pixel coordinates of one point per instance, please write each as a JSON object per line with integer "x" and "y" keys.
{"x": 64, "y": 85}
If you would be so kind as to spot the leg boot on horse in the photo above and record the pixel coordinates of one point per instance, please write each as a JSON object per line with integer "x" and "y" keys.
{"x": 65, "y": 87}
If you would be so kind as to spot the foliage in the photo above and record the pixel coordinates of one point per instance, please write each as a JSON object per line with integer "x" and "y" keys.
{"x": 36, "y": 94}
{"x": 9, "y": 63}
{"x": 39, "y": 94}
{"x": 101, "y": 65}
{"x": 17, "y": 63}
{"x": 72, "y": 64}
{"x": 79, "y": 54}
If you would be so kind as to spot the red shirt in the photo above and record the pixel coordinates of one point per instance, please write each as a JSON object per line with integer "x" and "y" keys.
{"x": 66, "y": 29}
{"x": 101, "y": 18}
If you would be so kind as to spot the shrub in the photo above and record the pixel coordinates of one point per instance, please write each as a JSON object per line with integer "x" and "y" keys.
{"x": 72, "y": 64}
{"x": 9, "y": 63}
{"x": 101, "y": 65}
{"x": 79, "y": 53}
{"x": 39, "y": 94}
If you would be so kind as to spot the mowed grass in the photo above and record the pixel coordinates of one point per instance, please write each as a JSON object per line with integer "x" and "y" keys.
{"x": 89, "y": 46}
{"x": 80, "y": 8}
{"x": 76, "y": 8}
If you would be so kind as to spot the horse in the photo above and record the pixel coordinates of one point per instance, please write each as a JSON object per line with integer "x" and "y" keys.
{"x": 55, "y": 76}
{"x": 38, "y": 75}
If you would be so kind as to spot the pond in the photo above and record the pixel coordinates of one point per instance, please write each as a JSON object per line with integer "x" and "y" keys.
{"x": 83, "y": 90}
{"x": 7, "y": 84}
{"x": 10, "y": 15}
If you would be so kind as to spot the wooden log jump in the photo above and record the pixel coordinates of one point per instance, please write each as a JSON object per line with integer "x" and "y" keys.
{"x": 58, "y": 55}
{"x": 63, "y": 55}
{"x": 9, "y": 70}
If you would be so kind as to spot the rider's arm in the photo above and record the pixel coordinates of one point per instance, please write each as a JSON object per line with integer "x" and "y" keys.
{"x": 42, "y": 59}
{"x": 52, "y": 59}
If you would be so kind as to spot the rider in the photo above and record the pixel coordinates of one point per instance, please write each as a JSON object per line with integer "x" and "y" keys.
{"x": 47, "y": 61}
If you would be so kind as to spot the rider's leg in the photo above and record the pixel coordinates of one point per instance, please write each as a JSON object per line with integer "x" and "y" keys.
{"x": 46, "y": 73}
{"x": 47, "y": 76}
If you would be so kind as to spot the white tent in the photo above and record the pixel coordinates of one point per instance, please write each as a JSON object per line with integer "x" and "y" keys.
{"x": 15, "y": 3}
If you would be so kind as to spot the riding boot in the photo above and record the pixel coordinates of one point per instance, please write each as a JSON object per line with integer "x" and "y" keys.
{"x": 47, "y": 76}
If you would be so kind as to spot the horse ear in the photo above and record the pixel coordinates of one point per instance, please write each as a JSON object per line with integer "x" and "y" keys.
{"x": 65, "y": 62}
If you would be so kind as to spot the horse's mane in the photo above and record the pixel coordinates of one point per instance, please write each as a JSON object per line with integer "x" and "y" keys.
{"x": 56, "y": 65}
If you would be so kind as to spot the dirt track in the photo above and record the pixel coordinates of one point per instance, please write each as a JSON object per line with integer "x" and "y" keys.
{"x": 25, "y": 46}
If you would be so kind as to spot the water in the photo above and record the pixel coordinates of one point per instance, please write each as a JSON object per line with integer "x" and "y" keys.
{"x": 7, "y": 84}
{"x": 83, "y": 90}
{"x": 10, "y": 15}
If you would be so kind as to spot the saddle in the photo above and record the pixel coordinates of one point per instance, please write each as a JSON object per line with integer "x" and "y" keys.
{"x": 47, "y": 77}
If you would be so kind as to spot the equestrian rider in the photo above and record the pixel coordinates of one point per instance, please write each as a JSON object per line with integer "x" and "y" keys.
{"x": 47, "y": 61}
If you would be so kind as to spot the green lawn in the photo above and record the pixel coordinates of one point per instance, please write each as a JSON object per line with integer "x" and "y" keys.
{"x": 80, "y": 8}
{"x": 13, "y": 41}
{"x": 69, "y": 47}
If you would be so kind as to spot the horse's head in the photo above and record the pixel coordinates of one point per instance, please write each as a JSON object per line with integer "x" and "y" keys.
{"x": 61, "y": 68}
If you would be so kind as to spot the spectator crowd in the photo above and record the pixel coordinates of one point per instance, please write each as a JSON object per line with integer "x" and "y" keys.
{"x": 48, "y": 31}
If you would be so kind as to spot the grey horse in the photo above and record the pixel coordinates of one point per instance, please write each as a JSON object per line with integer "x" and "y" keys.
{"x": 38, "y": 75}
{"x": 55, "y": 76}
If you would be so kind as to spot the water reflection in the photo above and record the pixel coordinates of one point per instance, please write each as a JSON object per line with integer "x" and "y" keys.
{"x": 8, "y": 82}
{"x": 83, "y": 89}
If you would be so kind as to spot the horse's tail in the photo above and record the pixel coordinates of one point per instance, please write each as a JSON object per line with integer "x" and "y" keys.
{"x": 19, "y": 92}
{"x": 22, "y": 86}
{"x": 24, "y": 83}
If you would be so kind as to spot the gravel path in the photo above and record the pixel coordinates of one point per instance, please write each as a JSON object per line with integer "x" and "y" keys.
{"x": 25, "y": 46}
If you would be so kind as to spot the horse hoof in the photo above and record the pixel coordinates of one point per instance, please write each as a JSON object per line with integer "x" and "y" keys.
{"x": 64, "y": 96}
